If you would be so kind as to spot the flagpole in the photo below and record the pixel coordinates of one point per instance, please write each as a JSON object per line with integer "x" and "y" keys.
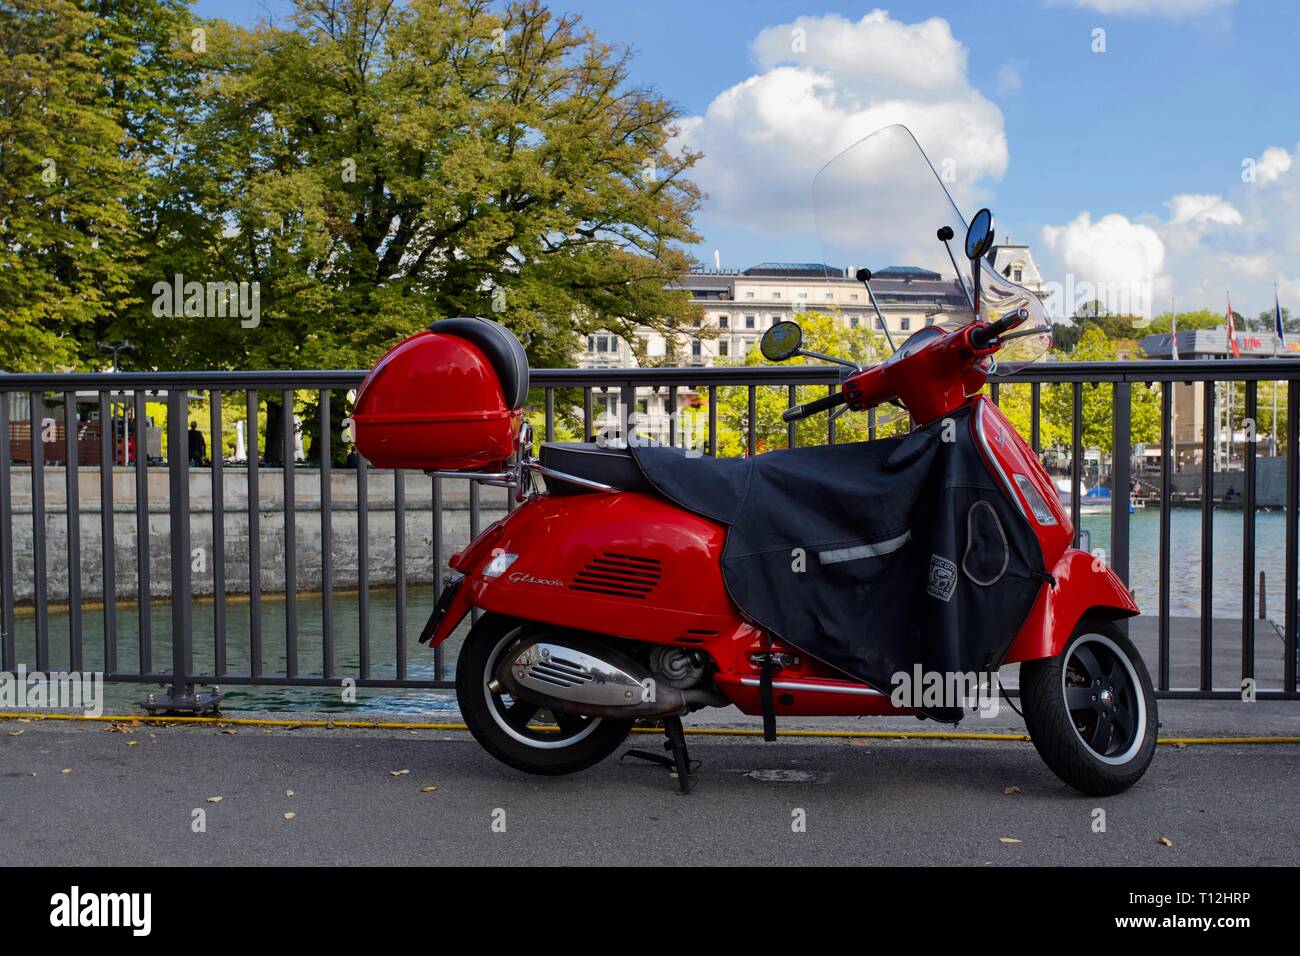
{"x": 1173, "y": 386}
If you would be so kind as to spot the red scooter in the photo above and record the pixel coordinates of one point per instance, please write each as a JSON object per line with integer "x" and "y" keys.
{"x": 626, "y": 588}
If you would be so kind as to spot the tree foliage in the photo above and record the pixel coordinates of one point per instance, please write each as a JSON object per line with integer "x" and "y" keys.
{"x": 371, "y": 165}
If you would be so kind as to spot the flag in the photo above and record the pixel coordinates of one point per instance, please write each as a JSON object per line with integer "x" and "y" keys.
{"x": 1173, "y": 335}
{"x": 1232, "y": 332}
{"x": 1277, "y": 319}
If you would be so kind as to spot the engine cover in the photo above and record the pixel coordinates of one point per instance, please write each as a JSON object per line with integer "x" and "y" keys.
{"x": 588, "y": 676}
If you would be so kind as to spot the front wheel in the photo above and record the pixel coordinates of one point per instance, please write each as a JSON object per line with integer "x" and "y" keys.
{"x": 520, "y": 734}
{"x": 1091, "y": 710}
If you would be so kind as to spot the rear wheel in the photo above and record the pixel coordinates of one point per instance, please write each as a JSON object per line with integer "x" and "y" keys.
{"x": 511, "y": 729}
{"x": 1091, "y": 710}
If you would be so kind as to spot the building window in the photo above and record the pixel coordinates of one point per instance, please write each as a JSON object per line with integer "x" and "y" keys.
{"x": 905, "y": 323}
{"x": 723, "y": 321}
{"x": 1017, "y": 274}
{"x": 749, "y": 322}
{"x": 880, "y": 325}
{"x": 803, "y": 295}
{"x": 853, "y": 297}
{"x": 724, "y": 347}
{"x": 776, "y": 295}
{"x": 853, "y": 321}
{"x": 695, "y": 348}
{"x": 830, "y": 295}
{"x": 749, "y": 295}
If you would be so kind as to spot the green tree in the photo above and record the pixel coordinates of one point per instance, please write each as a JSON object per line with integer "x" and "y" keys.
{"x": 374, "y": 166}
{"x": 823, "y": 332}
{"x": 1098, "y": 401}
{"x": 68, "y": 241}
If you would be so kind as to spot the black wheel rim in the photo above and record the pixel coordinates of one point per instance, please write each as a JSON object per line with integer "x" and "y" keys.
{"x": 1105, "y": 701}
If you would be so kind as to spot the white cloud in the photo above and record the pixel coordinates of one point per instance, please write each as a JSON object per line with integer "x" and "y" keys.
{"x": 1210, "y": 243}
{"x": 1192, "y": 208}
{"x": 1272, "y": 163}
{"x": 1164, "y": 8}
{"x": 824, "y": 83}
{"x": 1252, "y": 266}
{"x": 1122, "y": 261}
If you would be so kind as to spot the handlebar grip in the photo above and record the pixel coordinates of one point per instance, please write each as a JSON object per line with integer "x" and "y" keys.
{"x": 983, "y": 338}
{"x": 812, "y": 408}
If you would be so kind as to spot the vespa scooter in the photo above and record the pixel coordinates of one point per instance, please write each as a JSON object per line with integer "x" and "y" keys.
{"x": 638, "y": 584}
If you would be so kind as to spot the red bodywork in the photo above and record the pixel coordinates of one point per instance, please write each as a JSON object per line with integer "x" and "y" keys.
{"x": 564, "y": 541}
{"x": 434, "y": 402}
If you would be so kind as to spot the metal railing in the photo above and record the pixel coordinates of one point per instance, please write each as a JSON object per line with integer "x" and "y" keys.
{"x": 395, "y": 670}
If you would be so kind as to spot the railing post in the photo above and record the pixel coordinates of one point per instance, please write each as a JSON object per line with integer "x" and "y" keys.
{"x": 181, "y": 697}
{"x": 1120, "y": 474}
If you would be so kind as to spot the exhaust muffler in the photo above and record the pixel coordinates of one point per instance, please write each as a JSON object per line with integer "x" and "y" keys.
{"x": 577, "y": 675}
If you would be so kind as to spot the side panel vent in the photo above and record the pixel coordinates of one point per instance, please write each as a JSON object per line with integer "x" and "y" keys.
{"x": 619, "y": 575}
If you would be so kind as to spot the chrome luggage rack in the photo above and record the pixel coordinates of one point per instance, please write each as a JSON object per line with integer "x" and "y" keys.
{"x": 519, "y": 470}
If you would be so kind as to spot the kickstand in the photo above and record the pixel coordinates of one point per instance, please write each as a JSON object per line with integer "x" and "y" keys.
{"x": 680, "y": 760}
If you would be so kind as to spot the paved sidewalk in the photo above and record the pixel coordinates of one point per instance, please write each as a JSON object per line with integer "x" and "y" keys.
{"x": 131, "y": 798}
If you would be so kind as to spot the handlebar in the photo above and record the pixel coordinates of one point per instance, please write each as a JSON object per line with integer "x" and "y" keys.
{"x": 984, "y": 337}
{"x": 796, "y": 412}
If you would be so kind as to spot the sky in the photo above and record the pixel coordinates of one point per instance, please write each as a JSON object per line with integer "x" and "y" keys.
{"x": 1149, "y": 145}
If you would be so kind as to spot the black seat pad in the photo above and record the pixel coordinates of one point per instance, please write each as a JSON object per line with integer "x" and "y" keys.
{"x": 609, "y": 466}
{"x": 502, "y": 349}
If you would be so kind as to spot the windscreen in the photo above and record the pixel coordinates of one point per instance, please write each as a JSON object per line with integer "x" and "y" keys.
{"x": 880, "y": 205}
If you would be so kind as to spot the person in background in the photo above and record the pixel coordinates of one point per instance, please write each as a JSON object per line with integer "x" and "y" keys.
{"x": 198, "y": 447}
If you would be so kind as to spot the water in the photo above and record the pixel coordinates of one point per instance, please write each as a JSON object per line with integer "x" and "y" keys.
{"x": 1185, "y": 558}
{"x": 1185, "y": 601}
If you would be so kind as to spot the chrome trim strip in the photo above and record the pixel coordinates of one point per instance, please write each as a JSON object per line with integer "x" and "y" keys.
{"x": 563, "y": 476}
{"x": 997, "y": 465}
{"x": 821, "y": 688}
{"x": 864, "y": 550}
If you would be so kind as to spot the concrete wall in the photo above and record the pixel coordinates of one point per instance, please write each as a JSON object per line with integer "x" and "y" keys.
{"x": 346, "y": 549}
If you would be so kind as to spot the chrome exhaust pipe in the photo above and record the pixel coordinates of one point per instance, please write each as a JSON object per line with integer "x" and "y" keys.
{"x": 587, "y": 678}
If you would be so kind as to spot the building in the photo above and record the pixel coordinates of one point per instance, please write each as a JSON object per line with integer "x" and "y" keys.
{"x": 1016, "y": 262}
{"x": 1189, "y": 397}
{"x": 737, "y": 306}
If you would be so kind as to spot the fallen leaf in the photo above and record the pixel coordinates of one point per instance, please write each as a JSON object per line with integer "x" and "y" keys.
{"x": 1010, "y": 790}
{"x": 428, "y": 789}
{"x": 289, "y": 814}
{"x": 1165, "y": 841}
{"x": 133, "y": 743}
{"x": 16, "y": 733}
{"x": 1180, "y": 746}
{"x": 1009, "y": 840}
{"x": 398, "y": 773}
{"x": 215, "y": 799}
{"x": 229, "y": 731}
{"x": 66, "y": 770}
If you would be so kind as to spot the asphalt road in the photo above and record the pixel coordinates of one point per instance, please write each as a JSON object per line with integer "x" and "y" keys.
{"x": 83, "y": 794}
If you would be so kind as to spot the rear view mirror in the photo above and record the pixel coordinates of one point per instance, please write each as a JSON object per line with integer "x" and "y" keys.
{"x": 979, "y": 237}
{"x": 781, "y": 341}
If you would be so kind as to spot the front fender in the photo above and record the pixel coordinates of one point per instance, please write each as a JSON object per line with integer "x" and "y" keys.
{"x": 1084, "y": 586}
